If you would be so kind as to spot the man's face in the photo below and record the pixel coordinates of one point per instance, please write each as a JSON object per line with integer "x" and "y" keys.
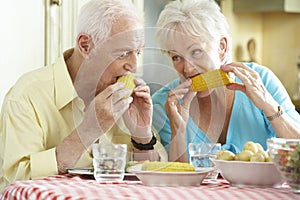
{"x": 122, "y": 51}
{"x": 112, "y": 58}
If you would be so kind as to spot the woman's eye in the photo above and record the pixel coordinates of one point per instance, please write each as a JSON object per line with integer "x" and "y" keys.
{"x": 196, "y": 52}
{"x": 176, "y": 58}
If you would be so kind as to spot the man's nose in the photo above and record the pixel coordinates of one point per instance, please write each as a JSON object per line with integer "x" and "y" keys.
{"x": 131, "y": 62}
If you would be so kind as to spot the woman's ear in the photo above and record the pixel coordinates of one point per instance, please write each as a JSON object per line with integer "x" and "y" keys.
{"x": 85, "y": 44}
{"x": 223, "y": 47}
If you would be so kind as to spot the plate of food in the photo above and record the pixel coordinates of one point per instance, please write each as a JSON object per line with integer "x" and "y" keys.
{"x": 170, "y": 173}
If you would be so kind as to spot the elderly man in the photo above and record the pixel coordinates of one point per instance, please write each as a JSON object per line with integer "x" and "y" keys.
{"x": 52, "y": 115}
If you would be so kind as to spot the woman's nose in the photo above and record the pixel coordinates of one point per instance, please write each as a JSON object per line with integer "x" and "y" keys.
{"x": 188, "y": 67}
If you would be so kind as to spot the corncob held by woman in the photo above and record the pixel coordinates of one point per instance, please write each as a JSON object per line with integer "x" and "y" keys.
{"x": 195, "y": 36}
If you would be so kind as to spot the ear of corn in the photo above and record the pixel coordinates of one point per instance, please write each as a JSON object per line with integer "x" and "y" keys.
{"x": 168, "y": 166}
{"x": 208, "y": 80}
{"x": 129, "y": 82}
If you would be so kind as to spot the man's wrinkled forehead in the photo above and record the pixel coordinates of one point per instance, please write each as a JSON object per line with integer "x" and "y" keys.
{"x": 129, "y": 40}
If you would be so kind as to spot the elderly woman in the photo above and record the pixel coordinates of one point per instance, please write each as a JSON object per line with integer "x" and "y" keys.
{"x": 195, "y": 35}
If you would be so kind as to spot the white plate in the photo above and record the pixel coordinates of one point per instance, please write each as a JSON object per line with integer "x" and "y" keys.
{"x": 152, "y": 178}
{"x": 89, "y": 171}
{"x": 256, "y": 174}
{"x": 81, "y": 171}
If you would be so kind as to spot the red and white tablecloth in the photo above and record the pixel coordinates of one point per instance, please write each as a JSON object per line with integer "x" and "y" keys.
{"x": 77, "y": 188}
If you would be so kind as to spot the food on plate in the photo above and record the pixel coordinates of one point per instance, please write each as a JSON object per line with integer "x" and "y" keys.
{"x": 258, "y": 157}
{"x": 244, "y": 155}
{"x": 264, "y": 153}
{"x": 132, "y": 166}
{"x": 252, "y": 152}
{"x": 268, "y": 158}
{"x": 211, "y": 79}
{"x": 129, "y": 82}
{"x": 251, "y": 146}
{"x": 259, "y": 147}
{"x": 225, "y": 155}
{"x": 168, "y": 166}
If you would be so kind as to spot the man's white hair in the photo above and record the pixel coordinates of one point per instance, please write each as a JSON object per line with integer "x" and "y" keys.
{"x": 195, "y": 18}
{"x": 96, "y": 17}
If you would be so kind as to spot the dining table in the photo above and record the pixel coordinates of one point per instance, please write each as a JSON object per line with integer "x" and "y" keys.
{"x": 81, "y": 187}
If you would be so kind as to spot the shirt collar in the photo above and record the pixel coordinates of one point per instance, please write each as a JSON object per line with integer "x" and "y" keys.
{"x": 63, "y": 86}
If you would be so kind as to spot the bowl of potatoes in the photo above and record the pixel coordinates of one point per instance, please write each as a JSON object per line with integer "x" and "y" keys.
{"x": 250, "y": 167}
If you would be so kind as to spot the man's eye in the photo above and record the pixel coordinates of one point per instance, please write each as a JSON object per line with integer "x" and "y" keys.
{"x": 176, "y": 58}
{"x": 124, "y": 54}
{"x": 196, "y": 52}
{"x": 139, "y": 52}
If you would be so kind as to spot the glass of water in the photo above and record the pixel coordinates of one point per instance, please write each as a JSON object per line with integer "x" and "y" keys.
{"x": 109, "y": 161}
{"x": 201, "y": 154}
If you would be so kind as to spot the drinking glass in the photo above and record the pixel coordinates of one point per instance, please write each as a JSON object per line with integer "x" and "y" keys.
{"x": 109, "y": 161}
{"x": 201, "y": 154}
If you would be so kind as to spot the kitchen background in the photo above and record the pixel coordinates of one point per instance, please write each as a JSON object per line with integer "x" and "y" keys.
{"x": 35, "y": 32}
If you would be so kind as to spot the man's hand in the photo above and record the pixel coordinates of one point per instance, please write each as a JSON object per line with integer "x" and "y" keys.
{"x": 103, "y": 112}
{"x": 138, "y": 118}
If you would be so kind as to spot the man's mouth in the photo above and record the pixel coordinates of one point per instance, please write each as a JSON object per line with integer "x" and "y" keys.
{"x": 192, "y": 76}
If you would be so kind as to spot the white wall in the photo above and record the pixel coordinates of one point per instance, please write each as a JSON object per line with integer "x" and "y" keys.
{"x": 21, "y": 39}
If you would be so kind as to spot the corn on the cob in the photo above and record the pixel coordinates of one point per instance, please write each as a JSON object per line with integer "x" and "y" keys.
{"x": 208, "y": 80}
{"x": 168, "y": 166}
{"x": 129, "y": 82}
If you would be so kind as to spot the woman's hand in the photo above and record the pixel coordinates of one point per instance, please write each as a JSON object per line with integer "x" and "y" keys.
{"x": 252, "y": 86}
{"x": 179, "y": 113}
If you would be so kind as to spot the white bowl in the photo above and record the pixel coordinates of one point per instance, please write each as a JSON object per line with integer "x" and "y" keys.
{"x": 257, "y": 174}
{"x": 154, "y": 178}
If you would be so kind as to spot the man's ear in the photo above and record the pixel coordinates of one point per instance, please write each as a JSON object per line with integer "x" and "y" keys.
{"x": 223, "y": 47}
{"x": 85, "y": 44}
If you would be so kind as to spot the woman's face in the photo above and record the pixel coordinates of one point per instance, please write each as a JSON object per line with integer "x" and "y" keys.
{"x": 191, "y": 57}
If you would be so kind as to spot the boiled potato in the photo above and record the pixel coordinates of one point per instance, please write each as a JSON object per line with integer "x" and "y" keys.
{"x": 244, "y": 155}
{"x": 265, "y": 154}
{"x": 225, "y": 155}
{"x": 259, "y": 147}
{"x": 258, "y": 157}
{"x": 268, "y": 159}
{"x": 251, "y": 146}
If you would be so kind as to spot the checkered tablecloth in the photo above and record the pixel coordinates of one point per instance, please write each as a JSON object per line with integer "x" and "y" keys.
{"x": 78, "y": 188}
